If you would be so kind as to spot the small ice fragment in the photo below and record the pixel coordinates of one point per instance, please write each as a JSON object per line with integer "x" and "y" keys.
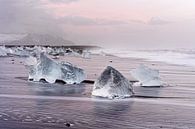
{"x": 3, "y": 51}
{"x": 47, "y": 69}
{"x": 20, "y": 51}
{"x": 147, "y": 76}
{"x": 86, "y": 54}
{"x": 112, "y": 84}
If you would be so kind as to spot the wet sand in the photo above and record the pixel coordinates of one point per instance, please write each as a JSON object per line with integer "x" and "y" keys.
{"x": 30, "y": 105}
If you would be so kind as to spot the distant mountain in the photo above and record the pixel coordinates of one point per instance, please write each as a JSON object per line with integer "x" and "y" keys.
{"x": 10, "y": 37}
{"x": 39, "y": 39}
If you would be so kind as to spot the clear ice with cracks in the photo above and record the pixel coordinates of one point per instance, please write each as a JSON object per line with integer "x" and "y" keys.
{"x": 47, "y": 69}
{"x": 147, "y": 76}
{"x": 112, "y": 84}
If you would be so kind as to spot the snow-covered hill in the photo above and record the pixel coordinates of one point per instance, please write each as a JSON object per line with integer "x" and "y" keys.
{"x": 10, "y": 37}
{"x": 36, "y": 39}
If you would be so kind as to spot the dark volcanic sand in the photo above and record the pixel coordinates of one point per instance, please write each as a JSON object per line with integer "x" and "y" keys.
{"x": 28, "y": 105}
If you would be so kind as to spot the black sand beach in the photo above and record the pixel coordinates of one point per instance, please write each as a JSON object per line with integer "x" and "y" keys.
{"x": 30, "y": 105}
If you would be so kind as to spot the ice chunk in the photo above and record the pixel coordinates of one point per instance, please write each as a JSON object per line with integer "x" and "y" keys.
{"x": 147, "y": 76}
{"x": 3, "y": 51}
{"x": 86, "y": 54}
{"x": 20, "y": 51}
{"x": 112, "y": 84}
{"x": 36, "y": 50}
{"x": 30, "y": 61}
{"x": 51, "y": 71}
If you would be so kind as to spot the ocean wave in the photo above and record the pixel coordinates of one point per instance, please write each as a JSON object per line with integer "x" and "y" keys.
{"x": 178, "y": 57}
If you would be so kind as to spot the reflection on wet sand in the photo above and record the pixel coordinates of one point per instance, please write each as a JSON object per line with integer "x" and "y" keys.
{"x": 111, "y": 109}
{"x": 56, "y": 89}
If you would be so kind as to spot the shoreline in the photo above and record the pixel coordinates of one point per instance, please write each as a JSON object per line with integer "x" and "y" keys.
{"x": 58, "y": 46}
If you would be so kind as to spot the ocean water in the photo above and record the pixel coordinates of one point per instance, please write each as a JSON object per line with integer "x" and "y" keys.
{"x": 179, "y": 57}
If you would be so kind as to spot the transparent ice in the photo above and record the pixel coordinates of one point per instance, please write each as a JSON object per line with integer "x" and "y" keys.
{"x": 112, "y": 84}
{"x": 147, "y": 76}
{"x": 51, "y": 71}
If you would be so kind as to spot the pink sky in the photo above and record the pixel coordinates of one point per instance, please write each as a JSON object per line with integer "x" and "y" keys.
{"x": 125, "y": 9}
{"x": 132, "y": 23}
{"x": 154, "y": 23}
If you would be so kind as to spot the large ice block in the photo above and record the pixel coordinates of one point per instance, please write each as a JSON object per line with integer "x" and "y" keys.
{"x": 147, "y": 76}
{"x": 47, "y": 69}
{"x": 112, "y": 84}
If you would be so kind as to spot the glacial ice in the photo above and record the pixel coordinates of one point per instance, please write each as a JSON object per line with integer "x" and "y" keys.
{"x": 25, "y": 51}
{"x": 112, "y": 84}
{"x": 30, "y": 61}
{"x": 86, "y": 54}
{"x": 3, "y": 51}
{"x": 147, "y": 76}
{"x": 47, "y": 69}
{"x": 20, "y": 51}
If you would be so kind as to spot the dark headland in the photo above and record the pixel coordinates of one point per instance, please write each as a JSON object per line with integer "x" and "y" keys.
{"x": 45, "y": 40}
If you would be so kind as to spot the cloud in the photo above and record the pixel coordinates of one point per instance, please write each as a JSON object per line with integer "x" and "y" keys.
{"x": 63, "y": 1}
{"x": 26, "y": 17}
{"x": 152, "y": 21}
{"x": 85, "y": 21}
{"x": 76, "y": 20}
{"x": 157, "y": 21}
